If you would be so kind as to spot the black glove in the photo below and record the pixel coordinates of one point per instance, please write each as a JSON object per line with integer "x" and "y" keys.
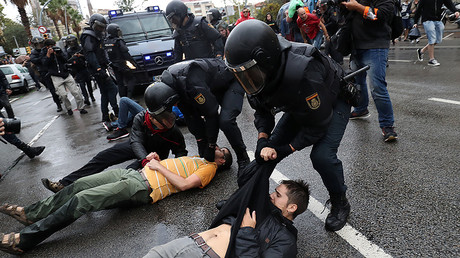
{"x": 282, "y": 152}
{"x": 261, "y": 143}
{"x": 210, "y": 152}
{"x": 202, "y": 145}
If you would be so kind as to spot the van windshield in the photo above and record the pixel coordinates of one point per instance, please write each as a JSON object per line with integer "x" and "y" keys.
{"x": 143, "y": 27}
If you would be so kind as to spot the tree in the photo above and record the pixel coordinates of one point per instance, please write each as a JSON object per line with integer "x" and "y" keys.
{"x": 75, "y": 18}
{"x": 10, "y": 29}
{"x": 21, "y": 4}
{"x": 125, "y": 5}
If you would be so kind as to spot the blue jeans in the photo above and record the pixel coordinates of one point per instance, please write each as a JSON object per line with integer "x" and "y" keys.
{"x": 377, "y": 60}
{"x": 128, "y": 110}
{"x": 316, "y": 42}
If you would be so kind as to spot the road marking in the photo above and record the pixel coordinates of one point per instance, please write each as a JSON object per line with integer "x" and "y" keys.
{"x": 348, "y": 233}
{"x": 13, "y": 100}
{"x": 448, "y": 36}
{"x": 42, "y": 131}
{"x": 445, "y": 101}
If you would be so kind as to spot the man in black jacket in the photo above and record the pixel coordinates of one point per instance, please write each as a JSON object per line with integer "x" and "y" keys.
{"x": 266, "y": 231}
{"x": 5, "y": 90}
{"x": 92, "y": 41}
{"x": 430, "y": 11}
{"x": 55, "y": 60}
{"x": 148, "y": 135}
{"x": 202, "y": 86}
{"x": 193, "y": 36}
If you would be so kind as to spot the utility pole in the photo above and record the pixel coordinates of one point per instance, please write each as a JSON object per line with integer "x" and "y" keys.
{"x": 15, "y": 41}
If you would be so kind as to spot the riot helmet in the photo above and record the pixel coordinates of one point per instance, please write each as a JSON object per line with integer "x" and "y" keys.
{"x": 71, "y": 40}
{"x": 114, "y": 30}
{"x": 253, "y": 54}
{"x": 97, "y": 22}
{"x": 37, "y": 42}
{"x": 213, "y": 16}
{"x": 160, "y": 98}
{"x": 176, "y": 11}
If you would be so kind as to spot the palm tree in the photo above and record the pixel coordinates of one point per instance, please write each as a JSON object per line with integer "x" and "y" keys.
{"x": 21, "y": 4}
{"x": 75, "y": 18}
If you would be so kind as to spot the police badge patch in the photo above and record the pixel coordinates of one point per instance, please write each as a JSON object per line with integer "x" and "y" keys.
{"x": 200, "y": 99}
{"x": 313, "y": 101}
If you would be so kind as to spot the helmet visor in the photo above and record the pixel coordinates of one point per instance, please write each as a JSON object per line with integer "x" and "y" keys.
{"x": 250, "y": 76}
{"x": 209, "y": 17}
{"x": 165, "y": 117}
{"x": 174, "y": 20}
{"x": 99, "y": 26}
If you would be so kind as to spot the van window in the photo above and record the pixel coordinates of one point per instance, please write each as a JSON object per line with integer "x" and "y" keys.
{"x": 143, "y": 27}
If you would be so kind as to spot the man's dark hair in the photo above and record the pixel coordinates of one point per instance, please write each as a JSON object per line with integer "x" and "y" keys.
{"x": 228, "y": 160}
{"x": 298, "y": 193}
{"x": 49, "y": 42}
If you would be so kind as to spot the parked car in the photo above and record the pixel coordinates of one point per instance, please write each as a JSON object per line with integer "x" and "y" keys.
{"x": 148, "y": 36}
{"x": 18, "y": 77}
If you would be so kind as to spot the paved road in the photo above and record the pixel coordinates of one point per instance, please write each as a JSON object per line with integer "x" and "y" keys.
{"x": 405, "y": 196}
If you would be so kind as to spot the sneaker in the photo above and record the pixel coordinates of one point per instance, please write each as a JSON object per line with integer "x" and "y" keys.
{"x": 419, "y": 54}
{"x": 389, "y": 134}
{"x": 69, "y": 112}
{"x": 52, "y": 186}
{"x": 82, "y": 111}
{"x": 59, "y": 109}
{"x": 359, "y": 115}
{"x": 108, "y": 126}
{"x": 433, "y": 62}
{"x": 417, "y": 41}
{"x": 118, "y": 134}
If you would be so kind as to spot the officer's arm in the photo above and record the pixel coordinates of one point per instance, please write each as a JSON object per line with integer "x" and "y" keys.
{"x": 89, "y": 46}
{"x": 178, "y": 52}
{"x": 382, "y": 11}
{"x": 137, "y": 136}
{"x": 125, "y": 51}
{"x": 213, "y": 37}
{"x": 35, "y": 59}
{"x": 264, "y": 119}
{"x": 178, "y": 148}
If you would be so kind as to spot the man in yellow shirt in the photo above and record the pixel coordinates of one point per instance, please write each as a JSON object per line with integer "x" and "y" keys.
{"x": 109, "y": 189}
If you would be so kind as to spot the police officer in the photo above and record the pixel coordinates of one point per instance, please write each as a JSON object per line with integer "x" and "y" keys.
{"x": 79, "y": 68}
{"x": 332, "y": 19}
{"x": 202, "y": 85}
{"x": 91, "y": 42}
{"x": 193, "y": 36}
{"x": 119, "y": 56}
{"x": 213, "y": 16}
{"x": 45, "y": 78}
{"x": 297, "y": 79}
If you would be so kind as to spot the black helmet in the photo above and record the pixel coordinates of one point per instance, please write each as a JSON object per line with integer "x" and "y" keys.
{"x": 71, "y": 40}
{"x": 222, "y": 24}
{"x": 213, "y": 16}
{"x": 160, "y": 98}
{"x": 253, "y": 54}
{"x": 97, "y": 22}
{"x": 114, "y": 30}
{"x": 37, "y": 42}
{"x": 176, "y": 11}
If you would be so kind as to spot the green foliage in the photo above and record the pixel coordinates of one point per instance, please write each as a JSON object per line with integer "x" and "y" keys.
{"x": 11, "y": 28}
{"x": 125, "y": 5}
{"x": 271, "y": 8}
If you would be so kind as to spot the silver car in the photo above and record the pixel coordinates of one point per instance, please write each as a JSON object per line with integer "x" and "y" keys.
{"x": 18, "y": 77}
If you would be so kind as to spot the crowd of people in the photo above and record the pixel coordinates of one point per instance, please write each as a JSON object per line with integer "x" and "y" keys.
{"x": 267, "y": 61}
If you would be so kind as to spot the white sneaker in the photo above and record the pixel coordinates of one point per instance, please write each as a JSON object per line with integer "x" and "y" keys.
{"x": 433, "y": 62}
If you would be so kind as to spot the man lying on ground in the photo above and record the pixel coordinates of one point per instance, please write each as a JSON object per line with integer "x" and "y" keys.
{"x": 109, "y": 189}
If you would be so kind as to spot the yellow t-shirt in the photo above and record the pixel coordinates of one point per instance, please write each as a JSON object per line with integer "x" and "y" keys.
{"x": 184, "y": 167}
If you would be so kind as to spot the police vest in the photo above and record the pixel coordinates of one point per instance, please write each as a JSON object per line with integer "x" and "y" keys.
{"x": 112, "y": 47}
{"x": 193, "y": 40}
{"x": 94, "y": 45}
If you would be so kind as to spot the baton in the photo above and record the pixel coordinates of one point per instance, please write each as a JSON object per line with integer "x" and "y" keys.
{"x": 353, "y": 74}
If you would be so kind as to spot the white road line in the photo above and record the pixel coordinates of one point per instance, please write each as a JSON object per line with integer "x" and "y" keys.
{"x": 348, "y": 233}
{"x": 445, "y": 101}
{"x": 448, "y": 36}
{"x": 42, "y": 131}
{"x": 13, "y": 100}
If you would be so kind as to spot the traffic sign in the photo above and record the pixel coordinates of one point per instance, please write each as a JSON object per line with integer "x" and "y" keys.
{"x": 42, "y": 29}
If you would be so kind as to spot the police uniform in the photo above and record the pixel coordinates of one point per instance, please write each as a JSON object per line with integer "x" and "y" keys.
{"x": 118, "y": 54}
{"x": 197, "y": 39}
{"x": 96, "y": 57}
{"x": 203, "y": 85}
{"x": 80, "y": 72}
{"x": 45, "y": 78}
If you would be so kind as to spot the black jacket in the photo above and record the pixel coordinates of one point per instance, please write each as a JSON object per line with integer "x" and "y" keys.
{"x": 96, "y": 56}
{"x": 35, "y": 58}
{"x": 55, "y": 64}
{"x": 143, "y": 140}
{"x": 4, "y": 84}
{"x": 372, "y": 34}
{"x": 430, "y": 10}
{"x": 118, "y": 52}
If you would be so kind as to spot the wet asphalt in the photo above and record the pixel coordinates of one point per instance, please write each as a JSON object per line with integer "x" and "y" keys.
{"x": 405, "y": 196}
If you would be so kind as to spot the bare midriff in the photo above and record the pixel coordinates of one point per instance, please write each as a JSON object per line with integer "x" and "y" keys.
{"x": 218, "y": 238}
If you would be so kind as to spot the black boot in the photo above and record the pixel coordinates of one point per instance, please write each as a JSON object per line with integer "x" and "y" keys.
{"x": 243, "y": 160}
{"x": 340, "y": 210}
{"x": 31, "y": 152}
{"x": 59, "y": 108}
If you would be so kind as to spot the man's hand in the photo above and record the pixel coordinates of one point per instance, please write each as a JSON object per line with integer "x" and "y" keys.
{"x": 248, "y": 220}
{"x": 2, "y": 128}
{"x": 8, "y": 91}
{"x": 153, "y": 156}
{"x": 154, "y": 164}
{"x": 261, "y": 144}
{"x": 268, "y": 153}
{"x": 50, "y": 51}
{"x": 351, "y": 5}
{"x": 457, "y": 14}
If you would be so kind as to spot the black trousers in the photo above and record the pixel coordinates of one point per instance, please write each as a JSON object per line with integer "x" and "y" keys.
{"x": 46, "y": 80}
{"x": 117, "y": 154}
{"x": 125, "y": 82}
{"x": 84, "y": 80}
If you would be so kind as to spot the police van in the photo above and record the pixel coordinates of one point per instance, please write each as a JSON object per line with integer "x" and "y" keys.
{"x": 148, "y": 36}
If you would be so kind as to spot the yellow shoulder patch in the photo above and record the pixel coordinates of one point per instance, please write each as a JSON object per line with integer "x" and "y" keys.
{"x": 200, "y": 99}
{"x": 313, "y": 101}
